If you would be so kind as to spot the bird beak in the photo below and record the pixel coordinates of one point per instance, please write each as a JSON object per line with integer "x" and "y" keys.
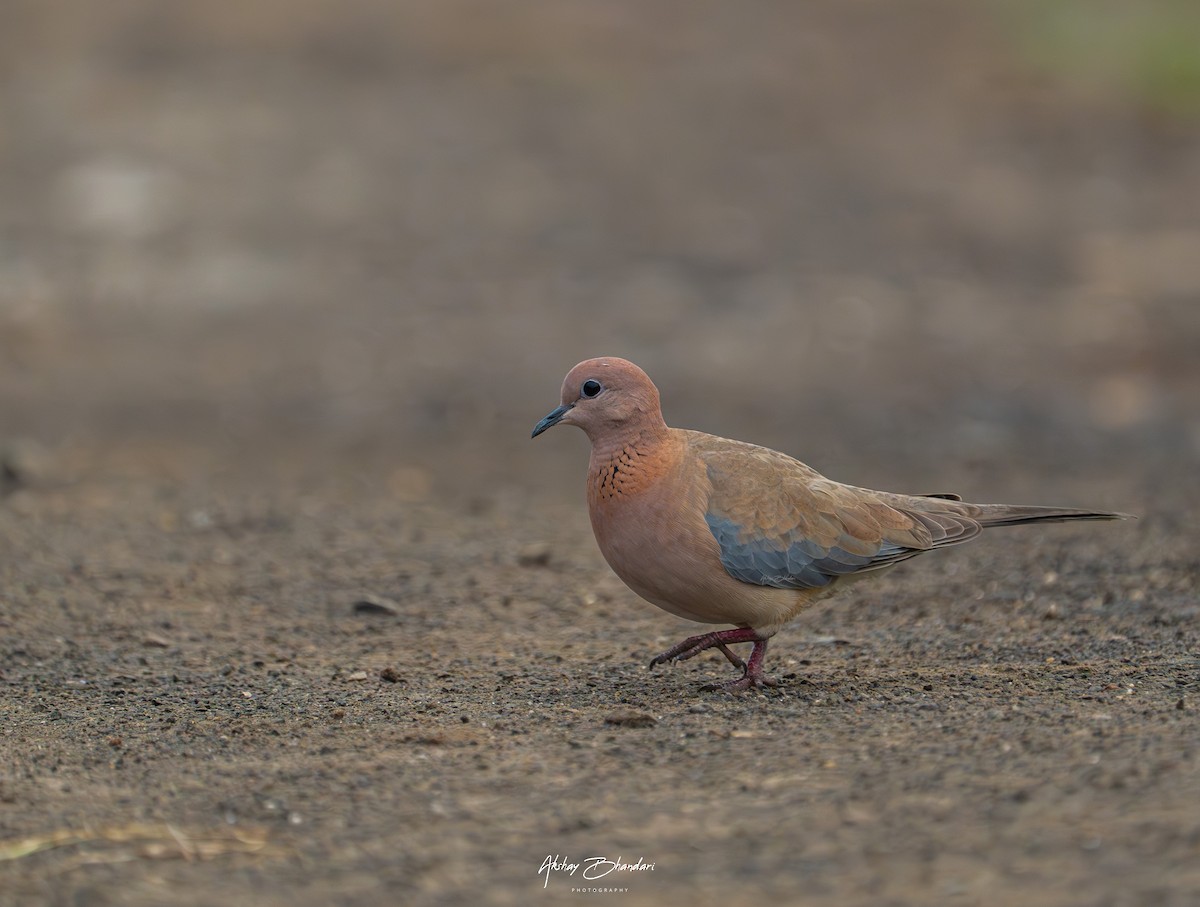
{"x": 552, "y": 419}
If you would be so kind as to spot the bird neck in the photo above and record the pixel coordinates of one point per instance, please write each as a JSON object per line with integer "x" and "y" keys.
{"x": 627, "y": 465}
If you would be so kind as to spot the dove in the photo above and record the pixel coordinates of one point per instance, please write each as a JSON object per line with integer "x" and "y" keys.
{"x": 726, "y": 532}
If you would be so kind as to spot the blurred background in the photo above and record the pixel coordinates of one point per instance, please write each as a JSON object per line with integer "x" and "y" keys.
{"x": 894, "y": 239}
{"x": 284, "y": 287}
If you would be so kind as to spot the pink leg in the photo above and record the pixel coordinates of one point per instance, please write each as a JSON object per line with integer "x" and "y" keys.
{"x": 734, "y": 659}
{"x": 752, "y": 672}
{"x": 753, "y": 675}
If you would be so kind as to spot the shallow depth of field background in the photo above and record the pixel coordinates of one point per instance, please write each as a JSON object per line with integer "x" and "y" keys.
{"x": 392, "y": 227}
{"x": 284, "y": 286}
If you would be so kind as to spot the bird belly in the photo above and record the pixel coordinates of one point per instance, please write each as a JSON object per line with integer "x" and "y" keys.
{"x": 675, "y": 564}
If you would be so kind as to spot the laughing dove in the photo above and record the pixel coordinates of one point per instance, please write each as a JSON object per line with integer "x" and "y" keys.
{"x": 725, "y": 532}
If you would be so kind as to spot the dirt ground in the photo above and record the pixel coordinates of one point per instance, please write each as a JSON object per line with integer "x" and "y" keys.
{"x": 293, "y": 612}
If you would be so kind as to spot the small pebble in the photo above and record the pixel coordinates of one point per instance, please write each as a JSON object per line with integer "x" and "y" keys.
{"x": 535, "y": 554}
{"x": 375, "y": 605}
{"x": 630, "y": 719}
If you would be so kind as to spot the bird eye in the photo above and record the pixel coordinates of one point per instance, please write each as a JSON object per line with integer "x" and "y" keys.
{"x": 591, "y": 387}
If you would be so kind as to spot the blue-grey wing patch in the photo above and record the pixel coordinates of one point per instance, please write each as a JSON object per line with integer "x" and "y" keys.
{"x": 791, "y": 562}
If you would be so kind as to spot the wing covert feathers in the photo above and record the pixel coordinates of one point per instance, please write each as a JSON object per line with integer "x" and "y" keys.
{"x": 780, "y": 523}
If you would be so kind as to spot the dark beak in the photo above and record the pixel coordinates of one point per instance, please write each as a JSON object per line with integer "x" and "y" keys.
{"x": 553, "y": 419}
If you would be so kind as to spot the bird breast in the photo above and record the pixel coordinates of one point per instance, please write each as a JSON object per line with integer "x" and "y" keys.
{"x": 647, "y": 512}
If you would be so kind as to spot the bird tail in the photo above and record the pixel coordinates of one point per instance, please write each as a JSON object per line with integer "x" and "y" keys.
{"x": 1019, "y": 514}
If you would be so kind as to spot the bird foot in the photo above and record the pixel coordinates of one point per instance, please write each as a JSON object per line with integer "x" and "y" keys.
{"x": 694, "y": 645}
{"x": 752, "y": 672}
{"x": 734, "y": 659}
{"x": 746, "y": 682}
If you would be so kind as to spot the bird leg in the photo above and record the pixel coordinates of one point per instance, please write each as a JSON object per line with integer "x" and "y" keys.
{"x": 734, "y": 658}
{"x": 694, "y": 645}
{"x": 752, "y": 673}
{"x": 752, "y": 676}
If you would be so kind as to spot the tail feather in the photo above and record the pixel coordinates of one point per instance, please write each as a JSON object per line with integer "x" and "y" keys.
{"x": 1018, "y": 514}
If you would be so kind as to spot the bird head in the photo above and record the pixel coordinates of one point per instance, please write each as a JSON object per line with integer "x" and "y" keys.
{"x": 605, "y": 397}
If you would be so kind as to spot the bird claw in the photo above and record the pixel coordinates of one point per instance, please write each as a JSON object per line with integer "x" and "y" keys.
{"x": 661, "y": 658}
{"x": 670, "y": 655}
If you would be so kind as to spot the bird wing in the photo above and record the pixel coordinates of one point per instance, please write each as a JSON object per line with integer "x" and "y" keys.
{"x": 780, "y": 523}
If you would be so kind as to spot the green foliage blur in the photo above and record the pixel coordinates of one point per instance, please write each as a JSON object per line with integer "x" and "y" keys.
{"x": 1147, "y": 50}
